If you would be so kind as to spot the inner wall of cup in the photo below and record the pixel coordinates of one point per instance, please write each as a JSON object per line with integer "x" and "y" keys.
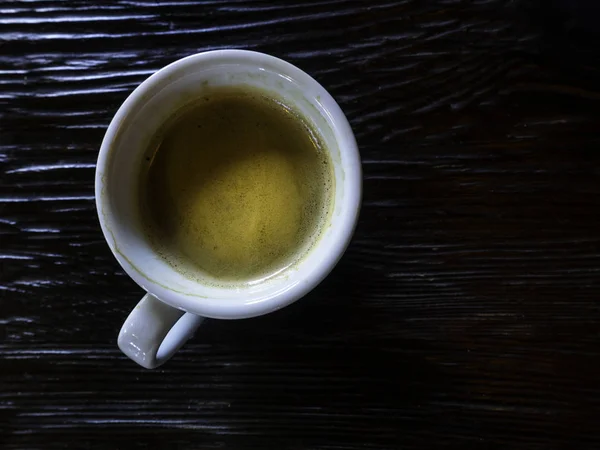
{"x": 126, "y": 161}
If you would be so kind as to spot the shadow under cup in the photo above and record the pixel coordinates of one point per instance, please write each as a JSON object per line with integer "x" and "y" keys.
{"x": 121, "y": 160}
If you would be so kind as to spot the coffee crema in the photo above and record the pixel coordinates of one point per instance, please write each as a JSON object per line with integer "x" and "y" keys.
{"x": 238, "y": 186}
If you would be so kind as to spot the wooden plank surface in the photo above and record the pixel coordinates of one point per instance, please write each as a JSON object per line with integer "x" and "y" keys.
{"x": 466, "y": 312}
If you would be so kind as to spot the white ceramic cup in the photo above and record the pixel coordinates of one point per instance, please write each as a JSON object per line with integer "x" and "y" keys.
{"x": 175, "y": 304}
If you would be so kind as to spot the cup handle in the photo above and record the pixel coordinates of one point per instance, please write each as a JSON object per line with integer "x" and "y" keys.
{"x": 154, "y": 331}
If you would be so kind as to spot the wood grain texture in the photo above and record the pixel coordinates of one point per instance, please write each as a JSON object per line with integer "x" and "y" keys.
{"x": 465, "y": 313}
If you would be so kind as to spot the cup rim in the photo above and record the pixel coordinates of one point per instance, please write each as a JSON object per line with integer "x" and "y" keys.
{"x": 230, "y": 309}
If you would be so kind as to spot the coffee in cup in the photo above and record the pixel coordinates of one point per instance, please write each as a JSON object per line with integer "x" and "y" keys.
{"x": 238, "y": 185}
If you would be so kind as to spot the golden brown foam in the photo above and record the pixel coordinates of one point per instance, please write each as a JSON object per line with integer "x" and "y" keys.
{"x": 237, "y": 186}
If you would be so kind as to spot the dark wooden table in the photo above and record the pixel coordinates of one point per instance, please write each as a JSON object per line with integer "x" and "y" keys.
{"x": 466, "y": 312}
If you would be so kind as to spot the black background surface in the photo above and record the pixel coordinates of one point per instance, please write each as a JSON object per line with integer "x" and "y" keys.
{"x": 466, "y": 312}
